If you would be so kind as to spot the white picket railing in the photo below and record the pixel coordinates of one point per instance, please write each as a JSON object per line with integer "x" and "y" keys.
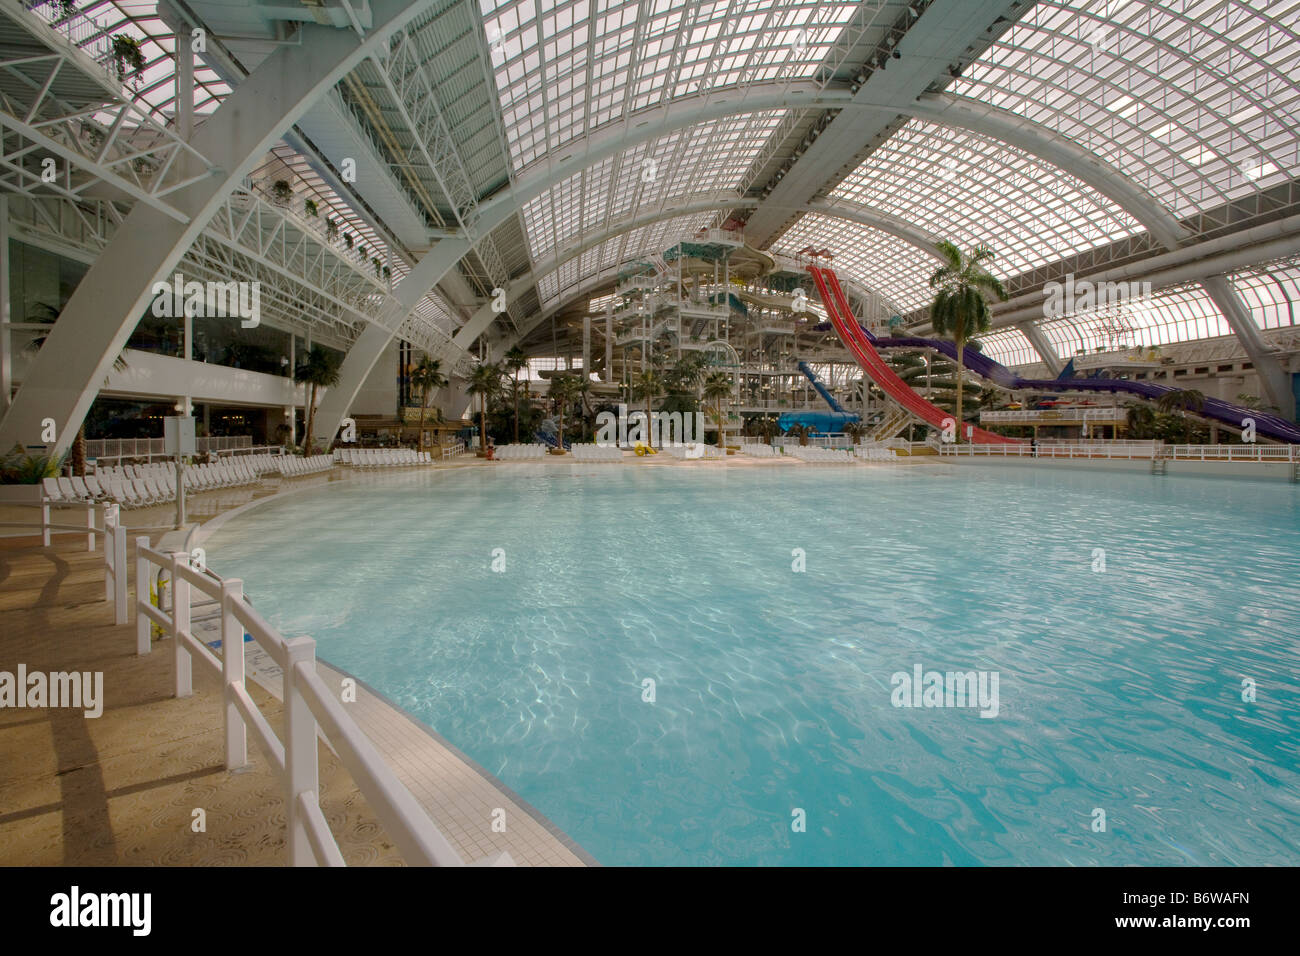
{"x": 309, "y": 705}
{"x": 1136, "y": 450}
{"x": 114, "y": 535}
{"x": 452, "y": 451}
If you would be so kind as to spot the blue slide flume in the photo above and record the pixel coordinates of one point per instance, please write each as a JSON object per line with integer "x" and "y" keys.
{"x": 821, "y": 389}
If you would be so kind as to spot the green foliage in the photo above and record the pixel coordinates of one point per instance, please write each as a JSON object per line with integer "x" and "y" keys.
{"x": 20, "y": 468}
{"x": 960, "y": 308}
{"x": 310, "y": 208}
{"x": 281, "y": 191}
{"x": 128, "y": 60}
{"x": 319, "y": 368}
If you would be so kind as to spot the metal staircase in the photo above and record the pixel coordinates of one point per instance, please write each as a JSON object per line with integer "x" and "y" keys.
{"x": 895, "y": 420}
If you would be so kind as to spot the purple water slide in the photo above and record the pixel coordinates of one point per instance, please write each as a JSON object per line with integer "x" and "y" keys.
{"x": 1268, "y": 425}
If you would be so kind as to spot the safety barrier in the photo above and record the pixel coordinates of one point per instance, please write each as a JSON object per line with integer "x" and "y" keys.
{"x": 309, "y": 706}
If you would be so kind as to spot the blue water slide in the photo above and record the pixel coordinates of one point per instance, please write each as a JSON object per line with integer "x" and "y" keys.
{"x": 824, "y": 423}
{"x": 821, "y": 389}
{"x": 548, "y": 438}
{"x": 1269, "y": 425}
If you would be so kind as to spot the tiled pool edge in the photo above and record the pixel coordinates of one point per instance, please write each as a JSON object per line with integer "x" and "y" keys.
{"x": 487, "y": 776}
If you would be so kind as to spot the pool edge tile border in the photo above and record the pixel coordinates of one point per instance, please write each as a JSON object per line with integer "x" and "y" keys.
{"x": 490, "y": 778}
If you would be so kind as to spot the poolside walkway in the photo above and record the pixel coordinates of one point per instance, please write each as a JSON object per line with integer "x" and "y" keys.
{"x": 123, "y": 788}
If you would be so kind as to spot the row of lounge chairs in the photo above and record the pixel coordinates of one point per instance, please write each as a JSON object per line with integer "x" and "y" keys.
{"x": 814, "y": 454}
{"x": 529, "y": 452}
{"x": 225, "y": 473}
{"x": 601, "y": 453}
{"x": 684, "y": 452}
{"x": 383, "y": 457}
{"x": 291, "y": 466}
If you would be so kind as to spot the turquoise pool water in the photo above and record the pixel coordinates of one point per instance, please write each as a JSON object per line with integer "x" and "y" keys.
{"x": 1119, "y": 690}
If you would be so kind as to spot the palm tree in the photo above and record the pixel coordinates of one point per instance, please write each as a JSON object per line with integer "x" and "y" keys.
{"x": 800, "y": 432}
{"x": 48, "y": 313}
{"x": 320, "y": 369}
{"x": 856, "y": 431}
{"x": 426, "y": 376}
{"x": 516, "y": 360}
{"x": 563, "y": 389}
{"x": 1140, "y": 421}
{"x": 717, "y": 388}
{"x": 485, "y": 382}
{"x": 961, "y": 303}
{"x": 582, "y": 392}
{"x": 649, "y": 386}
{"x": 1181, "y": 401}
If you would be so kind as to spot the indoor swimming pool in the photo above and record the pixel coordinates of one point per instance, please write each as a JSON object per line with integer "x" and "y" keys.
{"x": 703, "y": 666}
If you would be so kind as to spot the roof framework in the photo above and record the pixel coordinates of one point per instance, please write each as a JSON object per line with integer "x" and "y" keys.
{"x": 1194, "y": 104}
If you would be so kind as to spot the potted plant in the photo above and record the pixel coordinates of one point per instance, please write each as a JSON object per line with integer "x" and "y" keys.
{"x": 127, "y": 57}
{"x": 281, "y": 192}
{"x": 309, "y": 207}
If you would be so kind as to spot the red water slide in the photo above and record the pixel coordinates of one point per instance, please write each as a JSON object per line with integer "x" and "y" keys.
{"x": 837, "y": 307}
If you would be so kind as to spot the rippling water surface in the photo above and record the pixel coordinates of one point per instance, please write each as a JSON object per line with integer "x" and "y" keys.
{"x": 1119, "y": 690}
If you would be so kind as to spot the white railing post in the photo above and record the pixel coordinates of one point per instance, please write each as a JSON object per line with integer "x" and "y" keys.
{"x": 181, "y": 624}
{"x": 90, "y": 526}
{"x": 118, "y": 544}
{"x": 112, "y": 570}
{"x": 143, "y": 624}
{"x": 45, "y": 522}
{"x": 300, "y": 748}
{"x": 232, "y": 668}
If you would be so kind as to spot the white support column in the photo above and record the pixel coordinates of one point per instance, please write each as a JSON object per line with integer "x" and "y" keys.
{"x": 107, "y": 304}
{"x": 184, "y": 86}
{"x": 6, "y": 343}
{"x": 609, "y": 343}
{"x": 586, "y": 347}
{"x": 1042, "y": 346}
{"x": 1273, "y": 379}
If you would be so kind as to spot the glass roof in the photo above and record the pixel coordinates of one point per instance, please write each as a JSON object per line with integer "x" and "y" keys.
{"x": 966, "y": 188}
{"x": 705, "y": 160}
{"x": 1197, "y": 101}
{"x": 566, "y": 67}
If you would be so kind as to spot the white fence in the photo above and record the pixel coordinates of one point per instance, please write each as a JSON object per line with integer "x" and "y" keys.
{"x": 1047, "y": 416}
{"x": 453, "y": 451}
{"x": 114, "y": 534}
{"x": 309, "y": 706}
{"x": 1131, "y": 450}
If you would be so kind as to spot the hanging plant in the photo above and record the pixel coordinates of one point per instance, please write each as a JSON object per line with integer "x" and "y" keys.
{"x": 331, "y": 229}
{"x": 377, "y": 264}
{"x": 347, "y": 240}
{"x": 68, "y": 8}
{"x": 281, "y": 191}
{"x": 388, "y": 273}
{"x": 127, "y": 57}
{"x": 309, "y": 207}
{"x": 361, "y": 251}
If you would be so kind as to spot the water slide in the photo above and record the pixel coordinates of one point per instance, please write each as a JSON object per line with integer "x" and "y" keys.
{"x": 858, "y": 341}
{"x": 1269, "y": 425}
{"x": 821, "y": 389}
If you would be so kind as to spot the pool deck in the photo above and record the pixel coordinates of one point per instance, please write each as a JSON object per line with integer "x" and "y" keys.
{"x": 121, "y": 789}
